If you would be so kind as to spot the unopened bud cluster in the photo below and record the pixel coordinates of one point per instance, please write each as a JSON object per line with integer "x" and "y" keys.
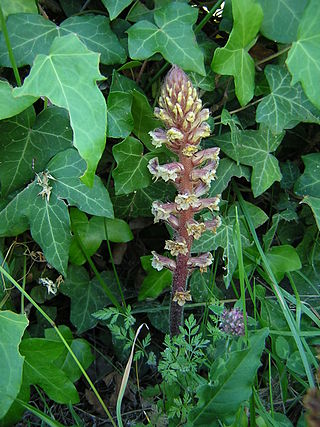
{"x": 185, "y": 125}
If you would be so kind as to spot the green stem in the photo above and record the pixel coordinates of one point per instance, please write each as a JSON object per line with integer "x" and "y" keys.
{"x": 23, "y": 283}
{"x": 238, "y": 246}
{"x": 207, "y": 17}
{"x": 9, "y": 48}
{"x": 109, "y": 294}
{"x": 51, "y": 322}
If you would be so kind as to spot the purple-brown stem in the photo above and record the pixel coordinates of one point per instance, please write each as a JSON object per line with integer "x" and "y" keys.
{"x": 180, "y": 276}
{"x": 185, "y": 122}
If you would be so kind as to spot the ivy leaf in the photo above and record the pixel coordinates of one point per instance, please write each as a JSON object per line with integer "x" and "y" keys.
{"x": 90, "y": 237}
{"x": 144, "y": 120}
{"x": 50, "y": 228}
{"x": 283, "y": 259}
{"x": 31, "y": 35}
{"x": 17, "y": 6}
{"x": 254, "y": 148}
{"x": 10, "y": 106}
{"x": 226, "y": 170}
{"x": 304, "y": 56}
{"x": 286, "y": 105}
{"x": 171, "y": 35}
{"x": 92, "y": 233}
{"x": 87, "y": 296}
{"x": 115, "y": 7}
{"x": 49, "y": 219}
{"x": 139, "y": 202}
{"x": 96, "y": 34}
{"x": 224, "y": 237}
{"x": 65, "y": 361}
{"x": 12, "y": 327}
{"x": 67, "y": 76}
{"x": 234, "y": 59}
{"x": 120, "y": 120}
{"x": 131, "y": 173}
{"x": 308, "y": 185}
{"x": 67, "y": 167}
{"x": 281, "y": 19}
{"x": 155, "y": 281}
{"x": 238, "y": 369}
{"x": 41, "y": 368}
{"x": 28, "y": 142}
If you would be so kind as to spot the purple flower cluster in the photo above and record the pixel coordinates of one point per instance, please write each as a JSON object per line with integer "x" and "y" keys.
{"x": 232, "y": 322}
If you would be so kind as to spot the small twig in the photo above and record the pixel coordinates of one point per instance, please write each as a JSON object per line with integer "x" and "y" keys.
{"x": 275, "y": 55}
{"x": 143, "y": 66}
{"x": 239, "y": 109}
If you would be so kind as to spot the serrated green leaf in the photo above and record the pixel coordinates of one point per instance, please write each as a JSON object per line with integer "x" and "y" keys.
{"x": 224, "y": 237}
{"x": 131, "y": 173}
{"x": 155, "y": 281}
{"x": 10, "y": 7}
{"x": 286, "y": 105}
{"x": 304, "y": 56}
{"x": 226, "y": 170}
{"x": 87, "y": 296}
{"x": 281, "y": 19}
{"x": 12, "y": 327}
{"x": 10, "y": 106}
{"x": 254, "y": 148}
{"x": 115, "y": 7}
{"x": 308, "y": 185}
{"x": 236, "y": 370}
{"x": 139, "y": 202}
{"x": 234, "y": 59}
{"x": 67, "y": 76}
{"x": 171, "y": 35}
{"x": 31, "y": 35}
{"x": 120, "y": 120}
{"x": 67, "y": 167}
{"x": 28, "y": 142}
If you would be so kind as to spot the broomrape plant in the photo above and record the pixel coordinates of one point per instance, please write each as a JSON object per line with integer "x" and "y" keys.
{"x": 185, "y": 125}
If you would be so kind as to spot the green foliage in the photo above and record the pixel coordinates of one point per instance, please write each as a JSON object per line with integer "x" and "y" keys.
{"x": 308, "y": 184}
{"x": 235, "y": 371}
{"x": 12, "y": 327}
{"x": 303, "y": 58}
{"x": 234, "y": 59}
{"x": 155, "y": 281}
{"x": 87, "y": 296}
{"x": 170, "y": 34}
{"x": 64, "y": 80}
{"x": 76, "y": 197}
